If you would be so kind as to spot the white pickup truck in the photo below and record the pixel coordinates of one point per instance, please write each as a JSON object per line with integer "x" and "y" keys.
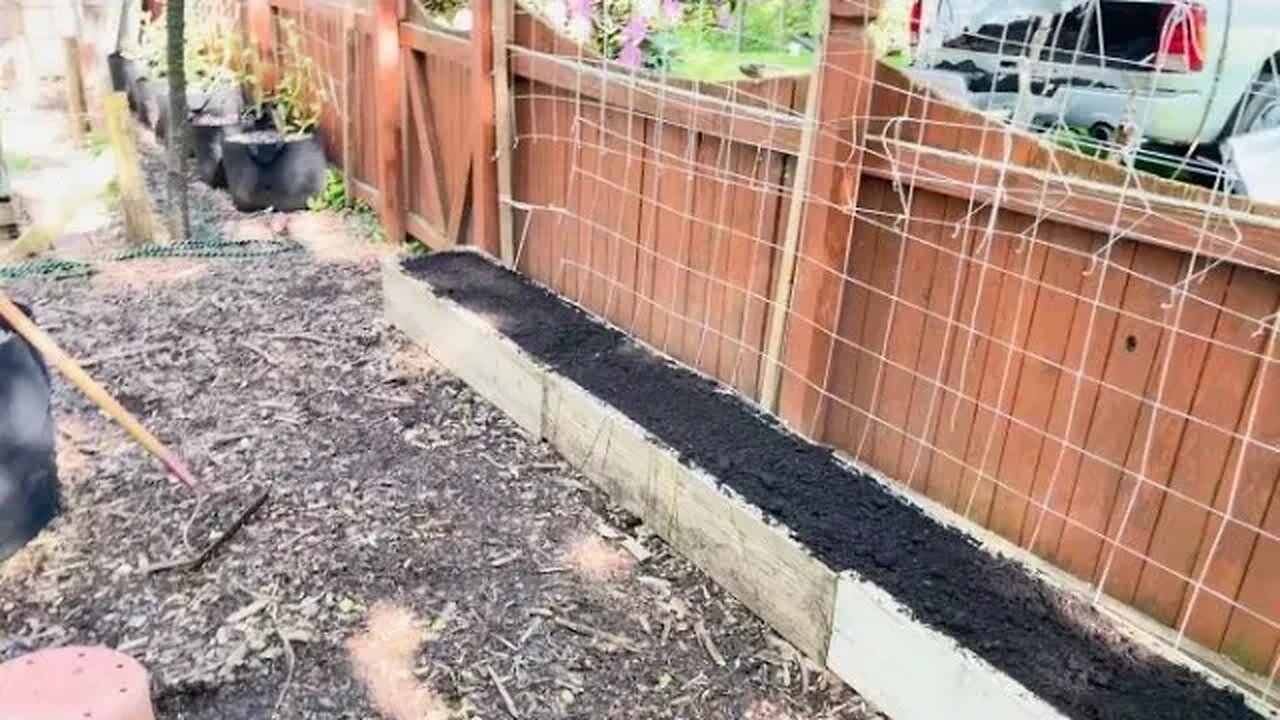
{"x": 1178, "y": 72}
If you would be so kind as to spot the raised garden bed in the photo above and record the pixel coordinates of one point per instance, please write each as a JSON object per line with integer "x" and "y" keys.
{"x": 1061, "y": 650}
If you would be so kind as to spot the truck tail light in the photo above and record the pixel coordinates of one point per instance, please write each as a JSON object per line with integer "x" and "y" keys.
{"x": 1184, "y": 32}
{"x": 916, "y": 21}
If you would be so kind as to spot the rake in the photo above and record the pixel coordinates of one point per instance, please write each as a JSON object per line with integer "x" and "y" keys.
{"x": 71, "y": 370}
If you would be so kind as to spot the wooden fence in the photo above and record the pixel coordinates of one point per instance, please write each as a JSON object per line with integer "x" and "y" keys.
{"x": 1079, "y": 364}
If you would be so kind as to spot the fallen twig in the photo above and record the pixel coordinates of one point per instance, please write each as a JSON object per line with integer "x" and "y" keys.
{"x": 291, "y": 660}
{"x": 303, "y": 336}
{"x": 266, "y": 356}
{"x": 502, "y": 690}
{"x": 700, "y": 629}
{"x": 620, "y": 641}
{"x": 194, "y": 563}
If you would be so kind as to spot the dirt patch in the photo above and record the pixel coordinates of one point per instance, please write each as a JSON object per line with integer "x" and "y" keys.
{"x": 413, "y": 363}
{"x": 139, "y": 275}
{"x": 328, "y": 236}
{"x": 383, "y": 656}
{"x": 989, "y": 605}
{"x": 588, "y": 555}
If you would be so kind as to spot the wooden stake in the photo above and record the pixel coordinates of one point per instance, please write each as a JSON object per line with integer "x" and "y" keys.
{"x": 389, "y": 86}
{"x": 138, "y": 222}
{"x": 502, "y": 17}
{"x": 348, "y": 107}
{"x": 59, "y": 359}
{"x": 771, "y": 378}
{"x": 76, "y": 114}
{"x": 484, "y": 188}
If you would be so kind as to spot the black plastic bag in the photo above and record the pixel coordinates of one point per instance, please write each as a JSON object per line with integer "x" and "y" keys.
{"x": 28, "y": 469}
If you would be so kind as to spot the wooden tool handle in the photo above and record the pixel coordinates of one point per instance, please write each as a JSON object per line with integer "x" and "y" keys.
{"x": 71, "y": 370}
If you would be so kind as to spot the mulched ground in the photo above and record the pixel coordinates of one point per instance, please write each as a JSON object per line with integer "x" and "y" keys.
{"x": 388, "y": 480}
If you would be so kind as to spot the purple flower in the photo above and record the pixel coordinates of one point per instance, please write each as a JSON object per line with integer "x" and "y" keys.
{"x": 725, "y": 16}
{"x": 631, "y": 56}
{"x": 582, "y": 7}
{"x": 672, "y": 10}
{"x": 635, "y": 31}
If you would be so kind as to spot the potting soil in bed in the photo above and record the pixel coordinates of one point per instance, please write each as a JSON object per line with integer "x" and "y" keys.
{"x": 1055, "y": 646}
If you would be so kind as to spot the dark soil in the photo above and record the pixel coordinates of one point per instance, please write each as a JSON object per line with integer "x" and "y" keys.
{"x": 265, "y": 137}
{"x": 1057, "y": 647}
{"x": 211, "y": 120}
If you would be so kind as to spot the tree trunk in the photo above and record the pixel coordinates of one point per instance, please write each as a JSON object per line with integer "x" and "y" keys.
{"x": 178, "y": 129}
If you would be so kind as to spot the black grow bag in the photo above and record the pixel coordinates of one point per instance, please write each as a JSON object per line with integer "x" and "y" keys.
{"x": 220, "y": 100}
{"x": 116, "y": 68}
{"x": 28, "y": 472}
{"x": 156, "y": 115}
{"x": 266, "y": 170}
{"x": 144, "y": 101}
{"x": 207, "y": 134}
{"x": 133, "y": 78}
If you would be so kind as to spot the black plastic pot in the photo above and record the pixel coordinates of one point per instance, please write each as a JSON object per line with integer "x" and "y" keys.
{"x": 266, "y": 170}
{"x": 116, "y": 68}
{"x": 132, "y": 77}
{"x": 207, "y": 134}
{"x": 158, "y": 112}
{"x": 221, "y": 100}
{"x": 28, "y": 472}
{"x": 146, "y": 105}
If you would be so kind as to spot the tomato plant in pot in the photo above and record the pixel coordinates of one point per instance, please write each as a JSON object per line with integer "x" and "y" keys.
{"x": 216, "y": 64}
{"x": 150, "y": 94}
{"x": 282, "y": 163}
{"x": 211, "y": 81}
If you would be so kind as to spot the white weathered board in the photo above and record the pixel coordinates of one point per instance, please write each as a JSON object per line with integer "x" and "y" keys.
{"x": 908, "y": 670}
{"x": 468, "y": 346}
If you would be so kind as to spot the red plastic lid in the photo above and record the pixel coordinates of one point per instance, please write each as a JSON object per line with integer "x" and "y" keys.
{"x": 75, "y": 683}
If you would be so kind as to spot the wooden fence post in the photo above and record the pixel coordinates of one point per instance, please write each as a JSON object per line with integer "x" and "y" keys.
{"x": 77, "y": 113}
{"x": 847, "y": 78}
{"x": 389, "y": 89}
{"x": 503, "y": 17}
{"x": 139, "y": 225}
{"x": 484, "y": 183}
{"x": 260, "y": 30}
{"x": 348, "y": 107}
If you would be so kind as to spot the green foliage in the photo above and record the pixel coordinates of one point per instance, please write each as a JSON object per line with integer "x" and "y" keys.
{"x": 297, "y": 100}
{"x": 17, "y": 163}
{"x": 97, "y": 143}
{"x": 1078, "y": 140}
{"x": 442, "y": 8}
{"x": 366, "y": 219}
{"x": 700, "y": 39}
{"x": 214, "y": 53}
{"x": 334, "y": 197}
{"x": 153, "y": 42}
{"x": 334, "y": 194}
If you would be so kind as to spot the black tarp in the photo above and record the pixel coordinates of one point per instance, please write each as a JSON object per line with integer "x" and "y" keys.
{"x": 28, "y": 473}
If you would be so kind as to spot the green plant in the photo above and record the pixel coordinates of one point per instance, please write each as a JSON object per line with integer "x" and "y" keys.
{"x": 297, "y": 99}
{"x": 334, "y": 197}
{"x": 1078, "y": 140}
{"x": 97, "y": 143}
{"x": 213, "y": 56}
{"x": 17, "y": 163}
{"x": 152, "y": 42}
{"x": 334, "y": 194}
{"x": 442, "y": 8}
